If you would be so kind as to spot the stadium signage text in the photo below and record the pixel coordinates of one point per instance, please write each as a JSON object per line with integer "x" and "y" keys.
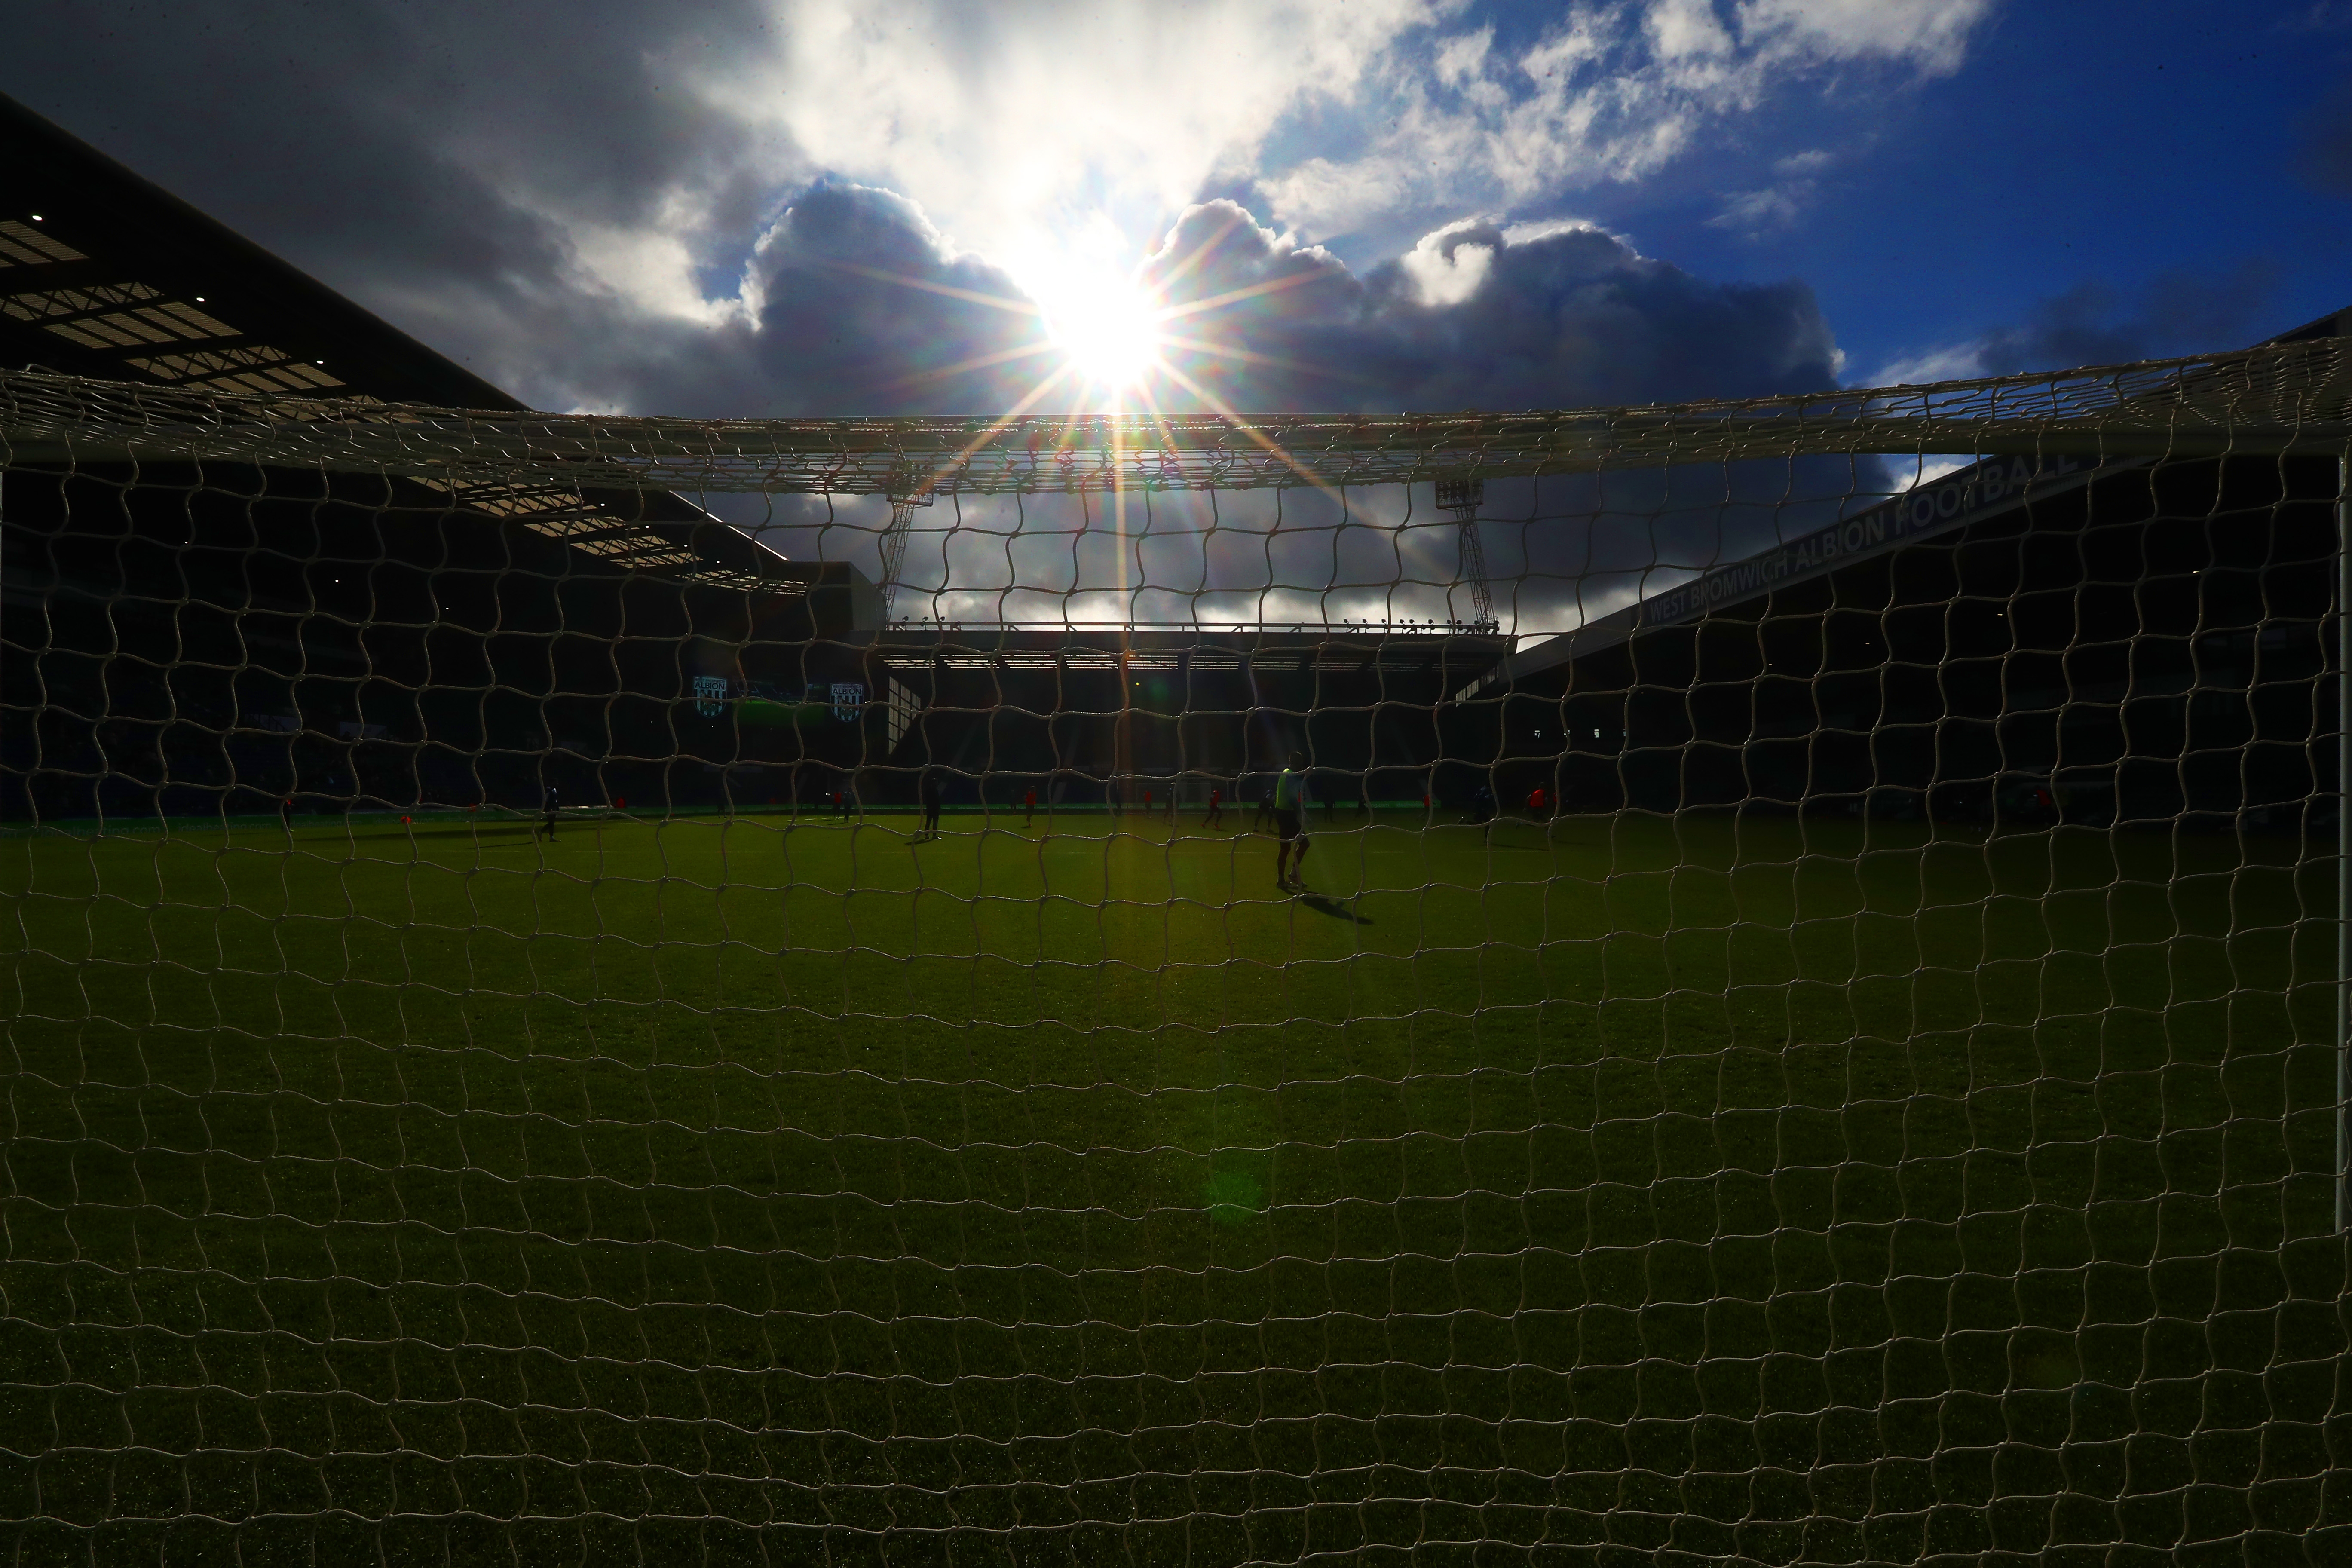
{"x": 844, "y": 699}
{"x": 1931, "y": 509}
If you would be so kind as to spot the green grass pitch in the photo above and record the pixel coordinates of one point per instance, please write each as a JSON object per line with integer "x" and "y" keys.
{"x": 1789, "y": 1189}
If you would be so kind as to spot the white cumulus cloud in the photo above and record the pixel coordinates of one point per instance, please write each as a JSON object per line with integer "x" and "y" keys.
{"x": 1608, "y": 92}
{"x": 1012, "y": 125}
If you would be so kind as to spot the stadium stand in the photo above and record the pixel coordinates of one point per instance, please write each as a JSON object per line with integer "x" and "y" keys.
{"x": 2023, "y": 640}
{"x": 560, "y": 632}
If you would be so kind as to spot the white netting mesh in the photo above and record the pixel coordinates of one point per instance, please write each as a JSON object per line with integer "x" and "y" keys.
{"x": 544, "y": 1023}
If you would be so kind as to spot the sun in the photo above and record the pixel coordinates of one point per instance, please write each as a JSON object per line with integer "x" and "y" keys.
{"x": 1107, "y": 328}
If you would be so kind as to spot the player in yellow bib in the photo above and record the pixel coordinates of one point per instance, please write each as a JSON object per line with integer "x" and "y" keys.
{"x": 1290, "y": 822}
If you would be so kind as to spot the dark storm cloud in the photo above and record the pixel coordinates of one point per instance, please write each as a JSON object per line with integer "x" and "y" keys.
{"x": 2174, "y": 313}
{"x": 1578, "y": 318}
{"x": 864, "y": 311}
{"x": 853, "y": 304}
{"x": 863, "y": 308}
{"x": 1569, "y": 318}
{"x": 412, "y": 156}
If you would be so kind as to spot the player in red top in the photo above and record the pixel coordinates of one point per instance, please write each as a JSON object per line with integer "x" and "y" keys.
{"x": 1535, "y": 802}
{"x": 1217, "y": 817}
{"x": 1029, "y": 804}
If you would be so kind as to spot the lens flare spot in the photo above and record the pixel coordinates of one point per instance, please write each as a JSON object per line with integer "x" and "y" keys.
{"x": 1234, "y": 1196}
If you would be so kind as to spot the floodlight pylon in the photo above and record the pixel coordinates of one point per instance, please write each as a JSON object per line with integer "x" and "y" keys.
{"x": 1461, "y": 497}
{"x": 894, "y": 542}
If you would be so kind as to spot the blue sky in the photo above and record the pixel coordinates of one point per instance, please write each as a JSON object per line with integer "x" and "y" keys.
{"x": 2124, "y": 149}
{"x": 753, "y": 205}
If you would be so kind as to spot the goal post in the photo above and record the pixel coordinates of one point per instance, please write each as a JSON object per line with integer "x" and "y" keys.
{"x": 1814, "y": 1024}
{"x": 2344, "y": 843}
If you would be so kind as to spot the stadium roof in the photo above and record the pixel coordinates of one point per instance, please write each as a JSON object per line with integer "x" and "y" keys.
{"x": 1981, "y": 490}
{"x": 105, "y": 275}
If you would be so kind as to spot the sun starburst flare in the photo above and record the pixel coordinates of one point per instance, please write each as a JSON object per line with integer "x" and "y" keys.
{"x": 1106, "y": 326}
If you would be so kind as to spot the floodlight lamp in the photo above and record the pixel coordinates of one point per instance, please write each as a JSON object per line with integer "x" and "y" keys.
{"x": 1460, "y": 495}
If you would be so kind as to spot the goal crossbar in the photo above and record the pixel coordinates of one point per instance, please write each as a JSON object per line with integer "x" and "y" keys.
{"x": 2275, "y": 398}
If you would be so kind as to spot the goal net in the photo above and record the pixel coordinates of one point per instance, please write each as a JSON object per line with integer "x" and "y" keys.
{"x": 1748, "y": 982}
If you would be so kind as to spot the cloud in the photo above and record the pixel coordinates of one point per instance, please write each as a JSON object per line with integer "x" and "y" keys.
{"x": 1775, "y": 207}
{"x": 510, "y": 190}
{"x": 1607, "y": 93}
{"x": 1474, "y": 316}
{"x": 1449, "y": 266}
{"x": 1754, "y": 212}
{"x": 1011, "y": 124}
{"x": 2094, "y": 323}
{"x": 864, "y": 306}
{"x": 1930, "y": 35}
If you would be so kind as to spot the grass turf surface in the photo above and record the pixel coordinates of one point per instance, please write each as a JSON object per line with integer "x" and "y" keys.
{"x": 1790, "y": 1190}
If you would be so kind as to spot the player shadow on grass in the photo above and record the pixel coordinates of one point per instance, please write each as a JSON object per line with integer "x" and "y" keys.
{"x": 1334, "y": 908}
